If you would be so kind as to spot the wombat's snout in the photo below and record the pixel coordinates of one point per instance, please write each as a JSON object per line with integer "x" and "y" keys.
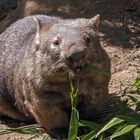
{"x": 75, "y": 58}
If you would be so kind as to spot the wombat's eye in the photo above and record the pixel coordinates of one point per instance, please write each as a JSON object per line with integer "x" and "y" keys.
{"x": 87, "y": 39}
{"x": 56, "y": 41}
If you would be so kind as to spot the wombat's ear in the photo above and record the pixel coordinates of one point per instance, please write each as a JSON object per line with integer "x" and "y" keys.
{"x": 94, "y": 22}
{"x": 38, "y": 27}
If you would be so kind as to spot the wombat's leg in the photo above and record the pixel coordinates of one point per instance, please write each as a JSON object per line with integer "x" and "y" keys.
{"x": 7, "y": 109}
{"x": 51, "y": 116}
{"x": 86, "y": 108}
{"x": 90, "y": 105}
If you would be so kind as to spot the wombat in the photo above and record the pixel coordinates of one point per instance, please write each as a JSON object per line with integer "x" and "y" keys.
{"x": 38, "y": 57}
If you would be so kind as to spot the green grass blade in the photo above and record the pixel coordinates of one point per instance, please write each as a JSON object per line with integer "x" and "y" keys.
{"x": 101, "y": 137}
{"x": 137, "y": 134}
{"x": 28, "y": 132}
{"x": 132, "y": 118}
{"x": 90, "y": 136}
{"x": 133, "y": 99}
{"x": 71, "y": 86}
{"x": 120, "y": 127}
{"x": 123, "y": 131}
{"x": 89, "y": 68}
{"x": 24, "y": 131}
{"x": 89, "y": 124}
{"x": 136, "y": 83}
{"x": 73, "y": 93}
{"x": 115, "y": 121}
{"x": 73, "y": 126}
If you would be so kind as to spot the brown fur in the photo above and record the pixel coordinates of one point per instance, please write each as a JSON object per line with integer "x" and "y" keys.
{"x": 38, "y": 54}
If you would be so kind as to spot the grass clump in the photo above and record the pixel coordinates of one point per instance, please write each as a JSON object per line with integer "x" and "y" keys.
{"x": 125, "y": 127}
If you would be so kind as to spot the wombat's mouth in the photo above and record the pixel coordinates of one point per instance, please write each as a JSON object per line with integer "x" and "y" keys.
{"x": 78, "y": 68}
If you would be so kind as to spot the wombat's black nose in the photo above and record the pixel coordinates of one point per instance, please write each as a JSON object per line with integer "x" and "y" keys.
{"x": 76, "y": 56}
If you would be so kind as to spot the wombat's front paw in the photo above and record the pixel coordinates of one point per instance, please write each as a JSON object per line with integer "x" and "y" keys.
{"x": 58, "y": 133}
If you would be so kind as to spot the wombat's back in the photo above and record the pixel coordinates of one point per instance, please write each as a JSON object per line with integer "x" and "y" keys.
{"x": 14, "y": 40}
{"x": 14, "y": 43}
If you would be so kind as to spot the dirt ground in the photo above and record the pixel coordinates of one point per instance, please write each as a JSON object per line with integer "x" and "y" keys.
{"x": 119, "y": 34}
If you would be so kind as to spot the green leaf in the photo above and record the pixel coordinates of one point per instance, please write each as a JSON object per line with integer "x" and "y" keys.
{"x": 133, "y": 99}
{"x": 137, "y": 134}
{"x": 134, "y": 91}
{"x": 91, "y": 67}
{"x": 135, "y": 87}
{"x": 136, "y": 83}
{"x": 123, "y": 131}
{"x": 28, "y": 132}
{"x": 73, "y": 126}
{"x": 101, "y": 137}
{"x": 71, "y": 86}
{"x": 128, "y": 136}
{"x": 89, "y": 124}
{"x": 115, "y": 121}
{"x": 90, "y": 136}
{"x": 24, "y": 131}
{"x": 132, "y": 118}
{"x": 120, "y": 127}
{"x": 73, "y": 93}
